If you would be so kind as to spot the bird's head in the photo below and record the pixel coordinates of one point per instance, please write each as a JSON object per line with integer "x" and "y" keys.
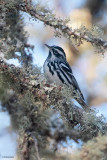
{"x": 56, "y": 51}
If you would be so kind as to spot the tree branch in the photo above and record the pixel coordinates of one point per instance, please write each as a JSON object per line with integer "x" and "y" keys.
{"x": 39, "y": 96}
{"x": 57, "y": 23}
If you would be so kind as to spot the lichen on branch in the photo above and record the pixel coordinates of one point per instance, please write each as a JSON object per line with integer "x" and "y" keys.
{"x": 62, "y": 29}
{"x": 29, "y": 104}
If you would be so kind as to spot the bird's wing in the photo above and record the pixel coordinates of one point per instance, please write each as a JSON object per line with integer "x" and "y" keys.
{"x": 64, "y": 66}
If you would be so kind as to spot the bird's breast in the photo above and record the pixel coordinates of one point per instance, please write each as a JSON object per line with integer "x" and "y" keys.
{"x": 51, "y": 74}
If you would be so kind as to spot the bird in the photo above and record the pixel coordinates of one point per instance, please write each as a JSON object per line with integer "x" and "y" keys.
{"x": 57, "y": 70}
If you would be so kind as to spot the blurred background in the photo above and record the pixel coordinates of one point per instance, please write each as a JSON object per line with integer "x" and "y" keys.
{"x": 89, "y": 67}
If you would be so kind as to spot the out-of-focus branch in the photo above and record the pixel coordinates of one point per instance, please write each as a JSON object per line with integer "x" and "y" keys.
{"x": 11, "y": 22}
{"x": 60, "y": 25}
{"x": 94, "y": 149}
{"x": 29, "y": 142}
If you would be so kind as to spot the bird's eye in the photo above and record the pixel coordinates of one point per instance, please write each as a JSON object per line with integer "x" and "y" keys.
{"x": 55, "y": 53}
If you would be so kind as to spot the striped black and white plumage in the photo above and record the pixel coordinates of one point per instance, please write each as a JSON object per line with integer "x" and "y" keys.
{"x": 57, "y": 70}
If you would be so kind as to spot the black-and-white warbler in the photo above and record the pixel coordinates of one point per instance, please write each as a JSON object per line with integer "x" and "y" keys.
{"x": 57, "y": 70}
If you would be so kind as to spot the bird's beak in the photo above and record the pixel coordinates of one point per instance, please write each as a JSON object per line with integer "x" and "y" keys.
{"x": 47, "y": 46}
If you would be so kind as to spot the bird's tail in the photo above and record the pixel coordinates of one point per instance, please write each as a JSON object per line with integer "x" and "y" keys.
{"x": 83, "y": 104}
{"x": 81, "y": 95}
